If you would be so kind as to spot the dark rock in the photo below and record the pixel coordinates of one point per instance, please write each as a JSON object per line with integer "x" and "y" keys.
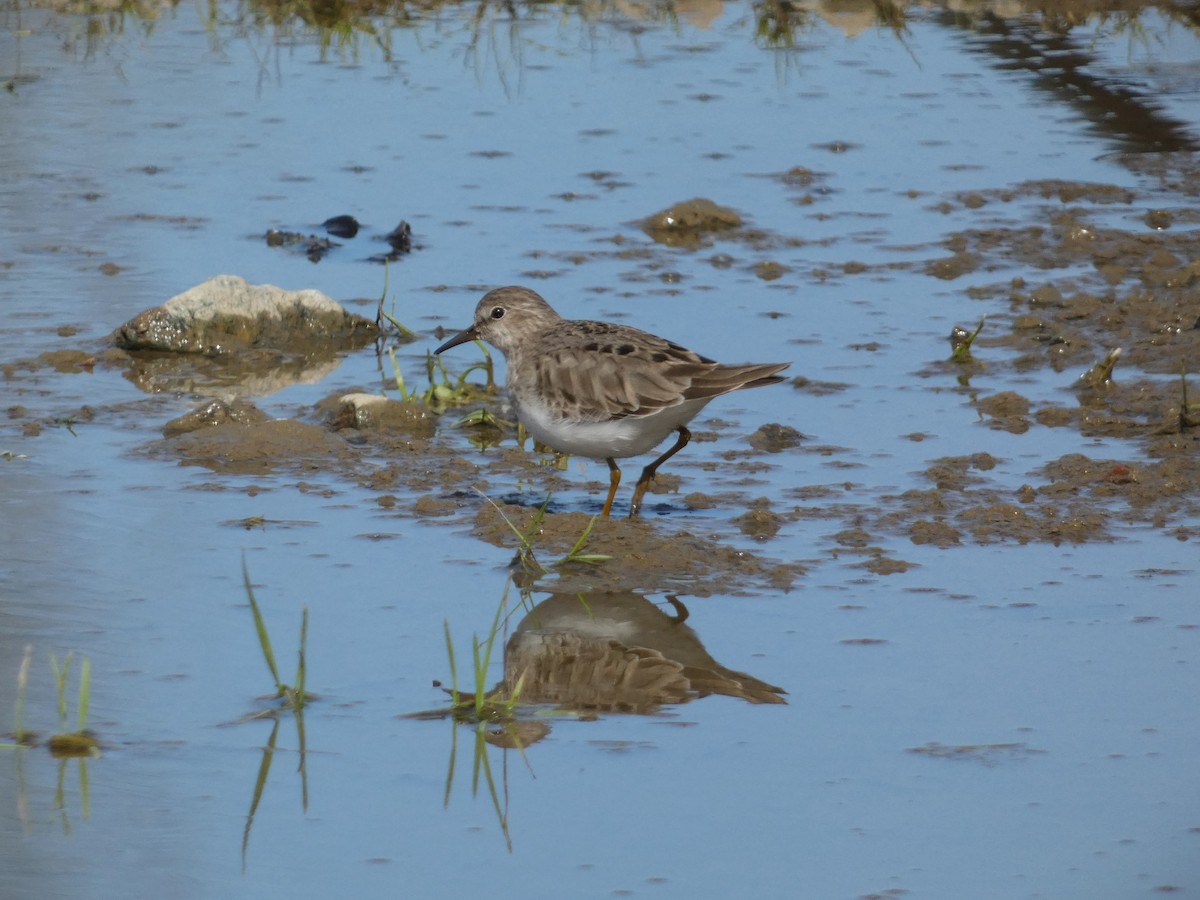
{"x": 400, "y": 238}
{"x": 341, "y": 226}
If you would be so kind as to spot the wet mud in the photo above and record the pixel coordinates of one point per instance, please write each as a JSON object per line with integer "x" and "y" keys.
{"x": 1129, "y": 281}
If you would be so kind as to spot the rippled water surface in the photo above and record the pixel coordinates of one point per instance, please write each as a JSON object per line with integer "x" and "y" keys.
{"x": 985, "y": 718}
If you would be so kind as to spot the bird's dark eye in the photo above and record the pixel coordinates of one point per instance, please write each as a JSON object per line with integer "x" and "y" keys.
{"x": 497, "y": 312}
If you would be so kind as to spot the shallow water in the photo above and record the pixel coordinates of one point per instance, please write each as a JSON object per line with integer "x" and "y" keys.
{"x": 995, "y": 719}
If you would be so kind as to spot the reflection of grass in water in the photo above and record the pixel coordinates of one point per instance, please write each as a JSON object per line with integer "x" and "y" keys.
{"x": 480, "y": 706}
{"x": 484, "y": 710}
{"x": 21, "y": 736}
{"x": 776, "y": 23}
{"x": 349, "y": 28}
{"x": 295, "y": 698}
{"x": 79, "y": 744}
{"x": 495, "y": 715}
{"x": 82, "y": 741}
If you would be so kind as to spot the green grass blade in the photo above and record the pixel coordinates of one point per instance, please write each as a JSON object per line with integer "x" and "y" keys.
{"x": 404, "y": 395}
{"x": 85, "y": 690}
{"x": 301, "y": 665}
{"x": 483, "y": 664}
{"x": 515, "y": 697}
{"x": 507, "y": 521}
{"x": 61, "y": 674}
{"x": 576, "y": 555}
{"x": 480, "y": 676}
{"x": 22, "y": 685}
{"x": 264, "y": 641}
{"x": 453, "y": 664}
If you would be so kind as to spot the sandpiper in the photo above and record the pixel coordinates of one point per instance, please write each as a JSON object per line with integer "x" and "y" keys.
{"x": 599, "y": 389}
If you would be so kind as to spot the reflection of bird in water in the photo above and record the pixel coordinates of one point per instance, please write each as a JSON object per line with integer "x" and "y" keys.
{"x": 615, "y": 651}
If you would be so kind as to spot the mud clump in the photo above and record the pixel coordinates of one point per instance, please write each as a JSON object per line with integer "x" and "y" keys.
{"x": 938, "y": 533}
{"x": 1153, "y": 489}
{"x": 257, "y": 449}
{"x": 1007, "y": 411}
{"x": 69, "y": 362}
{"x": 639, "y": 554}
{"x": 690, "y": 223}
{"x": 1138, "y": 288}
{"x": 953, "y": 473}
{"x": 884, "y": 565}
{"x": 213, "y": 413}
{"x": 775, "y": 438}
{"x": 760, "y": 524}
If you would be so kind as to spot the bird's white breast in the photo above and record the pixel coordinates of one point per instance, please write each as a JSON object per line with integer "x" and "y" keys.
{"x": 618, "y": 438}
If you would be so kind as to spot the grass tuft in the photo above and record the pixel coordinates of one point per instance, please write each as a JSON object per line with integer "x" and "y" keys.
{"x": 295, "y": 695}
{"x": 81, "y": 742}
{"x": 961, "y": 341}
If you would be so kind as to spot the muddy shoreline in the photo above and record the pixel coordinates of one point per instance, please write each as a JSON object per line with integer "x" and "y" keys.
{"x": 1135, "y": 287}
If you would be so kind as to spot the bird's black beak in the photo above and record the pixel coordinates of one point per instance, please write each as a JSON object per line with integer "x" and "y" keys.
{"x": 467, "y": 334}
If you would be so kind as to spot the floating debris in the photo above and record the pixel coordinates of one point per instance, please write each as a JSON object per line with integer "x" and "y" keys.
{"x": 310, "y": 245}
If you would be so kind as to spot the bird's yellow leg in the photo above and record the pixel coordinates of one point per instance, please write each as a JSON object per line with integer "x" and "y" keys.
{"x": 614, "y": 481}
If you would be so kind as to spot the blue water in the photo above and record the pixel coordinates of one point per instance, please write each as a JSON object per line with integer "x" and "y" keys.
{"x": 169, "y": 151}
